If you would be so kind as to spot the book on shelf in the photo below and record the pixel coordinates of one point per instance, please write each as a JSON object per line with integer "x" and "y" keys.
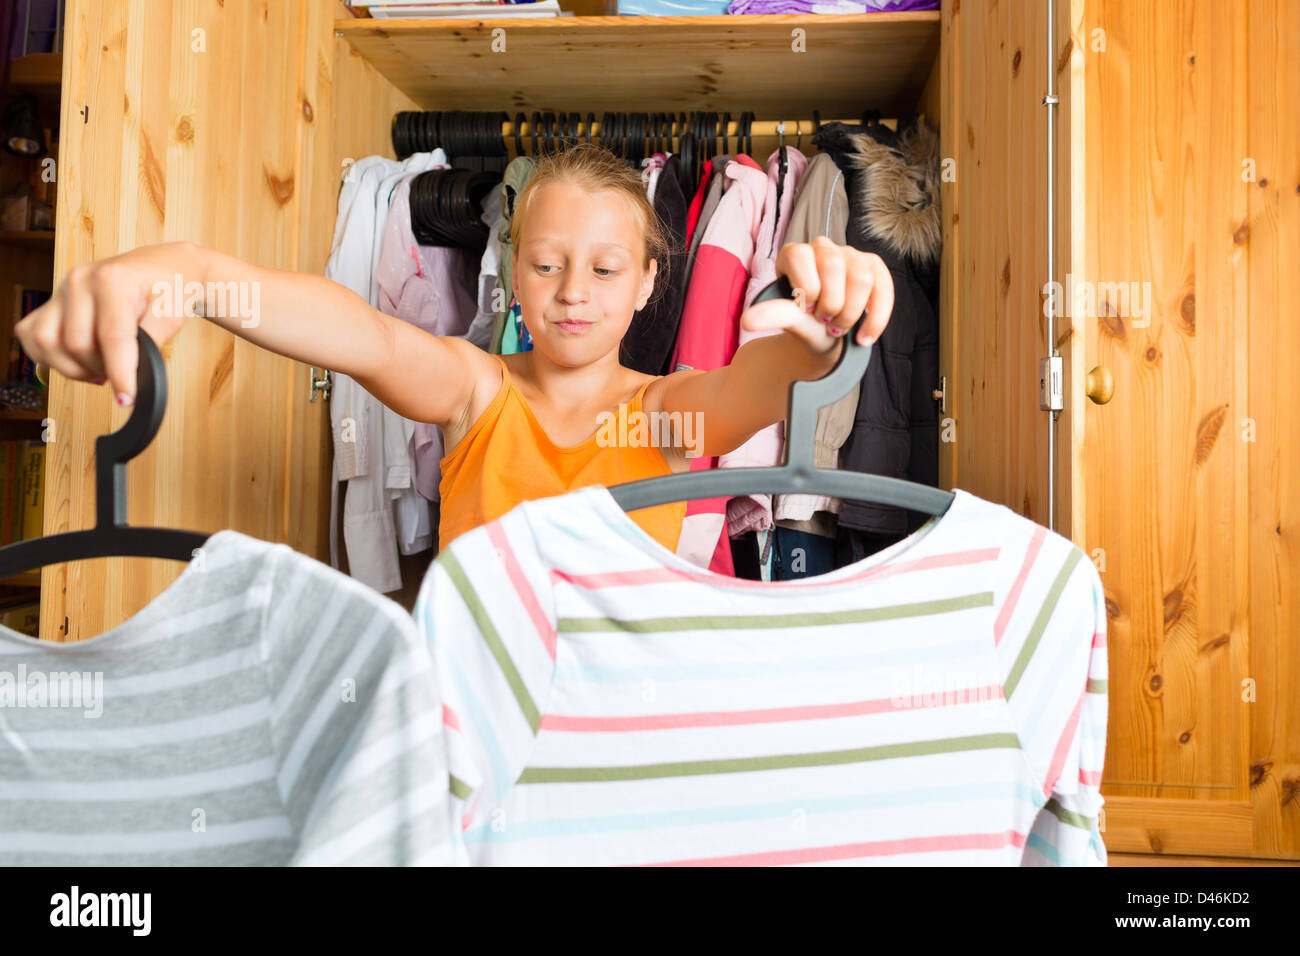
{"x": 23, "y": 617}
{"x": 22, "y": 490}
{"x": 21, "y": 366}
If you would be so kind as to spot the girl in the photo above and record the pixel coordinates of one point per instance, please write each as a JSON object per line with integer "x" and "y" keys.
{"x": 587, "y": 250}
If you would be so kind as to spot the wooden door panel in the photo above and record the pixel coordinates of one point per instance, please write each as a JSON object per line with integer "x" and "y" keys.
{"x": 992, "y": 327}
{"x": 1192, "y": 471}
{"x": 182, "y": 120}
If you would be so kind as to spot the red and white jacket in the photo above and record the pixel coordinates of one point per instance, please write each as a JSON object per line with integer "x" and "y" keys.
{"x": 710, "y": 331}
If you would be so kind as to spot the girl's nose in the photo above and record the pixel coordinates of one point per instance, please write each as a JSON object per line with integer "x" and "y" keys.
{"x": 574, "y": 289}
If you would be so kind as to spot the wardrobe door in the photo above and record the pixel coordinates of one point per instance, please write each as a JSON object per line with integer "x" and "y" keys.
{"x": 1191, "y": 205}
{"x": 187, "y": 120}
{"x": 994, "y": 438}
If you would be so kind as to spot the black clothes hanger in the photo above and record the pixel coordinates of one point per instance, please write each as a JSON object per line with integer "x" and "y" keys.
{"x": 797, "y": 475}
{"x": 112, "y": 536}
{"x": 447, "y": 207}
{"x": 686, "y": 150}
{"x": 635, "y": 145}
{"x": 783, "y": 166}
{"x": 711, "y": 139}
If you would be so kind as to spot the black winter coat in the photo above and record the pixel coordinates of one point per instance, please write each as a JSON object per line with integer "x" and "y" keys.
{"x": 892, "y": 183}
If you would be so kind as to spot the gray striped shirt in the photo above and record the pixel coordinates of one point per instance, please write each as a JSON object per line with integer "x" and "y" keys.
{"x": 264, "y": 709}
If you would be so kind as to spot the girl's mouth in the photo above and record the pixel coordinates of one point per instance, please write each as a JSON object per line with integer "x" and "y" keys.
{"x": 573, "y": 326}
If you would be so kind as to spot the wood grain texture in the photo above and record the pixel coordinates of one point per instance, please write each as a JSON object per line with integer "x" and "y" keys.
{"x": 345, "y": 112}
{"x": 992, "y": 331}
{"x": 851, "y": 63}
{"x": 1193, "y": 468}
{"x": 201, "y": 127}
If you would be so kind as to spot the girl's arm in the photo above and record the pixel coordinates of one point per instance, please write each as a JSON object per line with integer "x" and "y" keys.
{"x": 753, "y": 391}
{"x": 87, "y": 330}
{"x": 423, "y": 377}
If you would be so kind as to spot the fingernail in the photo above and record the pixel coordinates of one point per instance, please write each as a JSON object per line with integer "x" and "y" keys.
{"x": 124, "y": 399}
{"x": 824, "y": 318}
{"x": 868, "y": 340}
{"x": 99, "y": 381}
{"x": 836, "y": 330}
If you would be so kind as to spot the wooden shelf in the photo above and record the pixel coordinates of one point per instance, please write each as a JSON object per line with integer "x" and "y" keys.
{"x": 31, "y": 237}
{"x": 27, "y": 579}
{"x": 724, "y": 63}
{"x": 37, "y": 69}
{"x": 21, "y": 425}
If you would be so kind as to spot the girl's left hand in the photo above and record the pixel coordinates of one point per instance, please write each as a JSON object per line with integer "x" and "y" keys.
{"x": 833, "y": 286}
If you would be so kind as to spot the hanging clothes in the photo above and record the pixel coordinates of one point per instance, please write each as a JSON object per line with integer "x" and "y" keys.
{"x": 415, "y": 531}
{"x": 350, "y": 407}
{"x": 821, "y": 208}
{"x": 480, "y": 330}
{"x": 697, "y": 199}
{"x": 940, "y": 703}
{"x": 651, "y": 167}
{"x": 514, "y": 337}
{"x": 718, "y": 184}
{"x": 763, "y": 448}
{"x": 430, "y": 287}
{"x": 290, "y": 710}
{"x": 710, "y": 333}
{"x": 648, "y": 343}
{"x": 893, "y": 187}
{"x": 382, "y": 512}
{"x": 513, "y": 181}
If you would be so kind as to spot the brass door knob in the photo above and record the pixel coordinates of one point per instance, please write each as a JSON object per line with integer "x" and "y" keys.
{"x": 1101, "y": 385}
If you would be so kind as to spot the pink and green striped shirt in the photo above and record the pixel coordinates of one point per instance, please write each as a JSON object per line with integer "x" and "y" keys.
{"x": 942, "y": 702}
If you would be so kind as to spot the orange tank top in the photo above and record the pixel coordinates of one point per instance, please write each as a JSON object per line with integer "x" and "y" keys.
{"x": 507, "y": 458}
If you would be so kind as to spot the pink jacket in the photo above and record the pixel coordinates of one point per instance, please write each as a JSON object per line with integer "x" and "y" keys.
{"x": 754, "y": 512}
{"x": 709, "y": 334}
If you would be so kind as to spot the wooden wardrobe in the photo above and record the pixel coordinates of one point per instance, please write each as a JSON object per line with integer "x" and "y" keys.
{"x": 1177, "y": 161}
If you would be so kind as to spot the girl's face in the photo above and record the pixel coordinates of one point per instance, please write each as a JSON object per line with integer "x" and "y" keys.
{"x": 578, "y": 274}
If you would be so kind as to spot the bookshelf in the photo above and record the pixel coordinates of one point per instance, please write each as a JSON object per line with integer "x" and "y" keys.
{"x": 26, "y": 275}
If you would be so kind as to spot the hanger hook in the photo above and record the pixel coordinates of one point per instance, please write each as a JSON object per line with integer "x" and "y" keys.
{"x": 114, "y": 450}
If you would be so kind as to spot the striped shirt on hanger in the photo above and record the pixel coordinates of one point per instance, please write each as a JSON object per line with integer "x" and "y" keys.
{"x": 264, "y": 709}
{"x": 942, "y": 702}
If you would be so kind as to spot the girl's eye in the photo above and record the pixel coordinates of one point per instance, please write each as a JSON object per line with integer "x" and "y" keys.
{"x": 542, "y": 269}
{"x": 605, "y": 272}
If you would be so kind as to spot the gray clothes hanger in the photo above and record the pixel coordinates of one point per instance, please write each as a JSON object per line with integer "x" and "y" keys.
{"x": 797, "y": 475}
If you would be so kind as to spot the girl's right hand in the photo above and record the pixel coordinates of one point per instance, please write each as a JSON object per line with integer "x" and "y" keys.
{"x": 87, "y": 329}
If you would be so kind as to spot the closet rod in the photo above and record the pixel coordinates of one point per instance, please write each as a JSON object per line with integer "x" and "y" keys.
{"x": 763, "y": 128}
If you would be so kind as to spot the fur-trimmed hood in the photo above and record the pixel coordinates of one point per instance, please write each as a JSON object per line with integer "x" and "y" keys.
{"x": 898, "y": 188}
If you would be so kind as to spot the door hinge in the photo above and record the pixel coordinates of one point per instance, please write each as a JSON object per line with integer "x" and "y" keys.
{"x": 321, "y": 385}
{"x": 1051, "y": 388}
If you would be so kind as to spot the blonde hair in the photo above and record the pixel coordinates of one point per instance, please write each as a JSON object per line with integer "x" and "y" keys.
{"x": 595, "y": 168}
